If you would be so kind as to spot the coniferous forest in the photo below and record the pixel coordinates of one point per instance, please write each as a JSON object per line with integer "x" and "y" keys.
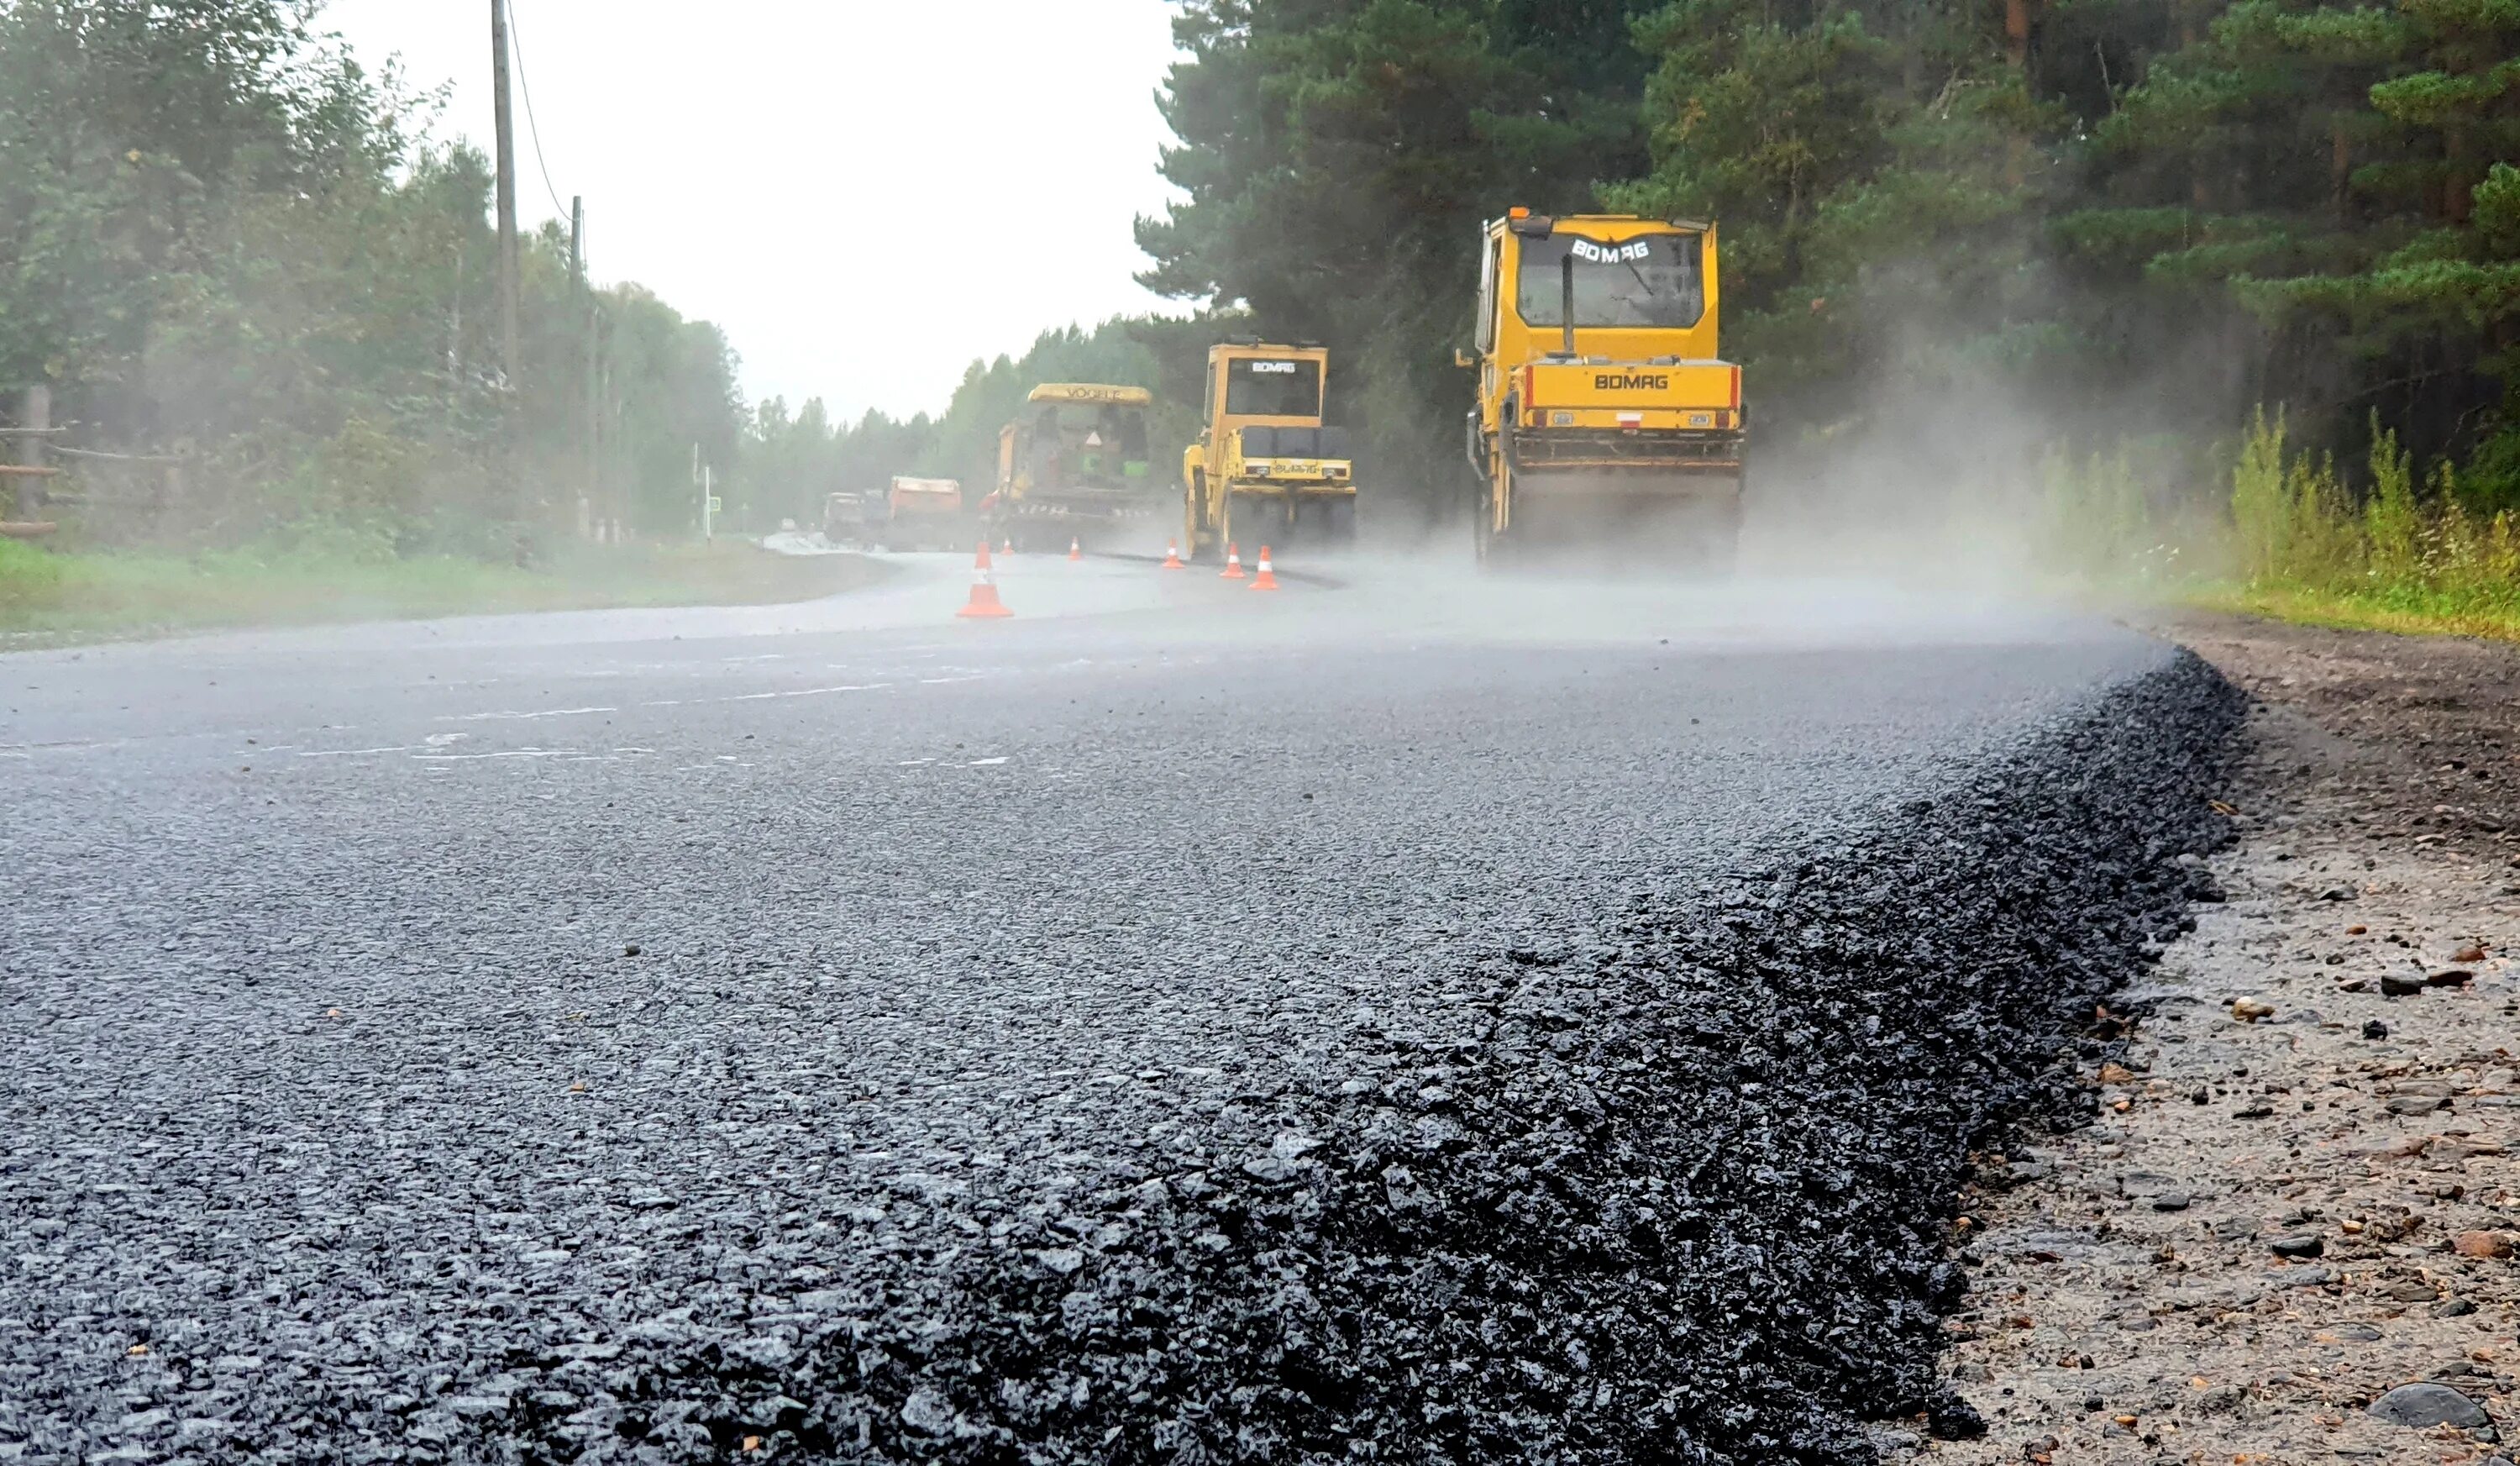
{"x": 2123, "y": 216}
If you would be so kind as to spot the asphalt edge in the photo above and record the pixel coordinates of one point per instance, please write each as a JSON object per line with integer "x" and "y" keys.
{"x": 1687, "y": 1196}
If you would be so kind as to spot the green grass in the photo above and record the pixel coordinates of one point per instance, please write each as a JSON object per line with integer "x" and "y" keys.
{"x": 2407, "y": 609}
{"x": 2395, "y": 552}
{"x": 49, "y": 596}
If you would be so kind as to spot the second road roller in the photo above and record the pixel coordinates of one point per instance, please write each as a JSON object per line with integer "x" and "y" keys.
{"x": 1266, "y": 469}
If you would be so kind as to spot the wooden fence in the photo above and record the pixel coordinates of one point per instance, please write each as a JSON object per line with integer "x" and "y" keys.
{"x": 41, "y": 471}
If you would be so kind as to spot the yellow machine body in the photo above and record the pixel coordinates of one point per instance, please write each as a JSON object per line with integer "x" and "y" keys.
{"x": 1625, "y": 430}
{"x": 1265, "y": 468}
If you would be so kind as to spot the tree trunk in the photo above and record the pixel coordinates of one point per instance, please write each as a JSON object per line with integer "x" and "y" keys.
{"x": 2340, "y": 166}
{"x": 2201, "y": 192}
{"x": 2458, "y": 189}
{"x": 2017, "y": 16}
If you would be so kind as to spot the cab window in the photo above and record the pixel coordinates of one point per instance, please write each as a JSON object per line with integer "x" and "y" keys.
{"x": 1272, "y": 387}
{"x": 1657, "y": 281}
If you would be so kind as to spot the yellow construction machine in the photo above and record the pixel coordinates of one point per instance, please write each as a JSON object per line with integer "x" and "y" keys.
{"x": 1264, "y": 469}
{"x": 1604, "y": 418}
{"x": 1074, "y": 467}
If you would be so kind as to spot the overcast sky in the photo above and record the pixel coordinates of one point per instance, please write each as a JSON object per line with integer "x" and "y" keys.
{"x": 866, "y": 194}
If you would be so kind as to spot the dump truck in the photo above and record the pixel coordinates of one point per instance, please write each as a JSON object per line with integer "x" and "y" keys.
{"x": 1266, "y": 470}
{"x": 846, "y": 518}
{"x": 1604, "y": 418}
{"x": 1073, "y": 467}
{"x": 919, "y": 513}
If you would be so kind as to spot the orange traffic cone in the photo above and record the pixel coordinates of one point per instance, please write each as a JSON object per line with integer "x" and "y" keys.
{"x": 1172, "y": 556}
{"x": 984, "y": 590}
{"x": 1009, "y": 550}
{"x": 1076, "y": 549}
{"x": 1267, "y": 580}
{"x": 1232, "y": 564}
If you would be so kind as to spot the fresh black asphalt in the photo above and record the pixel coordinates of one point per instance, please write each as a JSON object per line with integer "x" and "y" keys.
{"x": 1163, "y": 1035}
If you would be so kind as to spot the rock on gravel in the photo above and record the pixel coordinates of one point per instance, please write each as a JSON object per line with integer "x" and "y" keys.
{"x": 2424, "y": 1405}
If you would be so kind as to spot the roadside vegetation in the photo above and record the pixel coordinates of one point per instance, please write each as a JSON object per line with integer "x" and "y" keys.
{"x": 46, "y": 597}
{"x": 2398, "y": 552}
{"x": 224, "y": 241}
{"x": 2269, "y": 525}
{"x": 263, "y": 301}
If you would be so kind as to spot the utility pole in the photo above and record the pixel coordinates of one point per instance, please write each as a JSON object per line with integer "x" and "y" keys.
{"x": 611, "y": 515}
{"x": 577, "y": 297}
{"x": 704, "y": 475}
{"x": 508, "y": 263}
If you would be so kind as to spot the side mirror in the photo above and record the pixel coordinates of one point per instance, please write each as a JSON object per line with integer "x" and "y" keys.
{"x": 1461, "y": 357}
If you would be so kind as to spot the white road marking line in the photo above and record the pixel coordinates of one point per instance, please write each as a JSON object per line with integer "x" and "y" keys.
{"x": 400, "y": 747}
{"x": 986, "y": 763}
{"x": 501, "y": 754}
{"x": 500, "y": 717}
{"x": 29, "y": 750}
{"x": 764, "y": 697}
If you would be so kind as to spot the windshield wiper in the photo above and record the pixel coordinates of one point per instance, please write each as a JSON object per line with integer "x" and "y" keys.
{"x": 1567, "y": 310}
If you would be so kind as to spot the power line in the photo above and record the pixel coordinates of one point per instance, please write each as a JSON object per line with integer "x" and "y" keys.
{"x": 517, "y": 39}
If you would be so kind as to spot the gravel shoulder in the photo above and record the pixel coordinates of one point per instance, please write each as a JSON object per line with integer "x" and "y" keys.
{"x": 2287, "y": 1238}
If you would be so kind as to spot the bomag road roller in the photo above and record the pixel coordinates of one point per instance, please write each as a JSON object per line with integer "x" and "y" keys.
{"x": 1606, "y": 424}
{"x": 1265, "y": 471}
{"x": 1074, "y": 466}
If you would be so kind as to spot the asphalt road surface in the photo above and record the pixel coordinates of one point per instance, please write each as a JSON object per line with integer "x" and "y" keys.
{"x": 1391, "y": 1019}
